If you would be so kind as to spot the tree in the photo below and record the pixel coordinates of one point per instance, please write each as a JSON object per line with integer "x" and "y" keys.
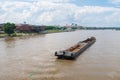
{"x": 9, "y": 28}
{"x": 74, "y": 28}
{"x": 50, "y": 27}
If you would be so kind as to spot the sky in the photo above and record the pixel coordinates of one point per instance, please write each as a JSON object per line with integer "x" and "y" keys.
{"x": 91, "y": 13}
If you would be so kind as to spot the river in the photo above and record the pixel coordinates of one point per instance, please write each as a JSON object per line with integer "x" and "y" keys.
{"x": 32, "y": 57}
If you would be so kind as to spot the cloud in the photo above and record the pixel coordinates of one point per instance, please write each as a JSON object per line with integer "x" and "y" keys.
{"x": 57, "y": 12}
{"x": 97, "y": 16}
{"x": 60, "y": 1}
{"x": 114, "y": 1}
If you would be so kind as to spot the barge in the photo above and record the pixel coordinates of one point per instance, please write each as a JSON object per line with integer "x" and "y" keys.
{"x": 76, "y": 50}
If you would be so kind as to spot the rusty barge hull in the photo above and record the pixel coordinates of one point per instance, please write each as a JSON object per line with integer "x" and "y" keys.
{"x": 78, "y": 49}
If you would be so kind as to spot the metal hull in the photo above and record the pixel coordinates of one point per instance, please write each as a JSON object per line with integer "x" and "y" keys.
{"x": 71, "y": 55}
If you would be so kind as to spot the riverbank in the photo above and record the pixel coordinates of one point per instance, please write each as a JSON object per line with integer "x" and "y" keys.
{"x": 55, "y": 31}
{"x": 4, "y": 35}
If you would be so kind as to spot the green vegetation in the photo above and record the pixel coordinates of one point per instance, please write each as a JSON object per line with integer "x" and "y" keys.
{"x": 74, "y": 28}
{"x": 2, "y": 35}
{"x": 9, "y": 29}
{"x": 51, "y": 28}
{"x": 54, "y": 29}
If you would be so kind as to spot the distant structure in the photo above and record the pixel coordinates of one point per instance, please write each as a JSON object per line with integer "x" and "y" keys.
{"x": 80, "y": 27}
{"x": 29, "y": 28}
{"x": 38, "y": 28}
{"x": 74, "y": 25}
{"x": 68, "y": 27}
{"x": 23, "y": 28}
{"x": 24, "y": 22}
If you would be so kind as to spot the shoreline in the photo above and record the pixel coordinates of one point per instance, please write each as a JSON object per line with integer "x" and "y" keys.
{"x": 4, "y": 35}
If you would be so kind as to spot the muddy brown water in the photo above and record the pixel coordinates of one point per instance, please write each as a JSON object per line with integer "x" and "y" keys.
{"x": 32, "y": 57}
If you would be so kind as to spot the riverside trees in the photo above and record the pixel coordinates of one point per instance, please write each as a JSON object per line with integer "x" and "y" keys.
{"x": 9, "y": 28}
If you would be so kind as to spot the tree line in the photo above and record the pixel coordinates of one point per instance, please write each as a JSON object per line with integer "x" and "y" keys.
{"x": 9, "y": 28}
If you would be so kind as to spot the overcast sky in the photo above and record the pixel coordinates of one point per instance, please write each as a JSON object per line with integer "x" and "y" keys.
{"x": 99, "y": 13}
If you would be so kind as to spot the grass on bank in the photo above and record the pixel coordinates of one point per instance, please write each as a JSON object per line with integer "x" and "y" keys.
{"x": 16, "y": 34}
{"x": 25, "y": 34}
{"x": 12, "y": 35}
{"x": 3, "y": 34}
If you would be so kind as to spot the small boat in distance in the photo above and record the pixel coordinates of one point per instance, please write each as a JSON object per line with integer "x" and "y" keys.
{"x": 76, "y": 50}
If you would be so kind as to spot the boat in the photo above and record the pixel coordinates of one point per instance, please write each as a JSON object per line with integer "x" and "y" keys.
{"x": 76, "y": 50}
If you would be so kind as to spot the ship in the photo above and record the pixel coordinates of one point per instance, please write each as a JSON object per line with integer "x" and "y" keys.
{"x": 74, "y": 51}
